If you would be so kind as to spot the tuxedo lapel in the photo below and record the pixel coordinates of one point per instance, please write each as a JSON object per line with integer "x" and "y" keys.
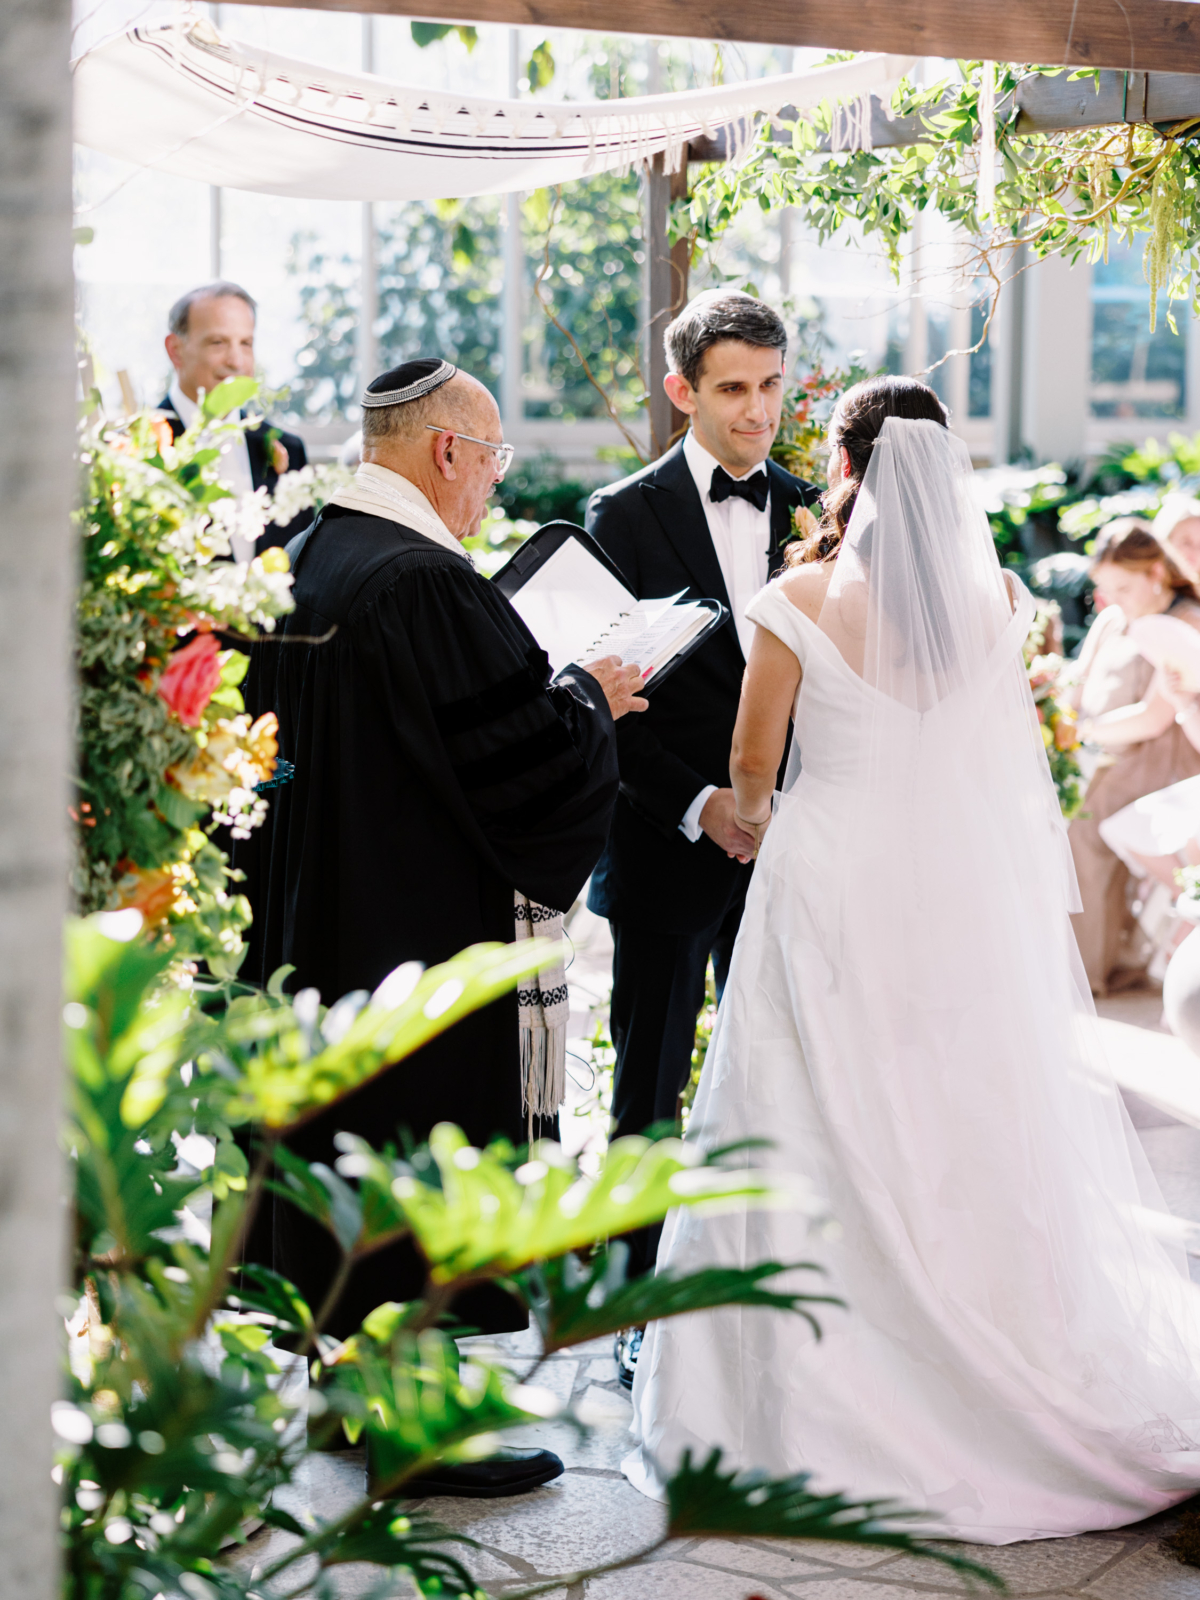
{"x": 672, "y": 496}
{"x": 256, "y": 449}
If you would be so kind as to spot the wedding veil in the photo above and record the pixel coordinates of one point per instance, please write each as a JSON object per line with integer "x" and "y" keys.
{"x": 948, "y": 932}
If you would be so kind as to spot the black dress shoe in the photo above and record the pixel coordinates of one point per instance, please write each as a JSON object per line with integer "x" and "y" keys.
{"x": 509, "y": 1471}
{"x": 626, "y": 1349}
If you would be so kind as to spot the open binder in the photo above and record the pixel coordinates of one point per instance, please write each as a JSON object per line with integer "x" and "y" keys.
{"x": 576, "y": 603}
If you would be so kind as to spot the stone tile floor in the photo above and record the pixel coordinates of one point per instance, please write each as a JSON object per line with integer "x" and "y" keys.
{"x": 591, "y": 1514}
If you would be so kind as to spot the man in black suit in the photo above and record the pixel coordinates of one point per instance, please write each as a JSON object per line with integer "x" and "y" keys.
{"x": 211, "y": 338}
{"x": 712, "y": 516}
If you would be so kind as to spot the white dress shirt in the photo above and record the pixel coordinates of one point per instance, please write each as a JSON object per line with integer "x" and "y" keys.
{"x": 234, "y": 470}
{"x": 741, "y": 536}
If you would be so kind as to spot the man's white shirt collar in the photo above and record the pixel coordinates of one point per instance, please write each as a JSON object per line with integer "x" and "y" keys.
{"x": 702, "y": 465}
{"x": 186, "y": 410}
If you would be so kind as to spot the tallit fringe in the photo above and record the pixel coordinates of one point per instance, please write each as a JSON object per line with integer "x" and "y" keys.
{"x": 543, "y": 1070}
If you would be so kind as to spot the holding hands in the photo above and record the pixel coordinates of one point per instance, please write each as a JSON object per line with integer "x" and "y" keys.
{"x": 733, "y": 834}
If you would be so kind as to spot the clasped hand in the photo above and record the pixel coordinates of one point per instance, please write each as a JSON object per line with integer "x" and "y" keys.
{"x": 620, "y": 684}
{"x": 719, "y": 820}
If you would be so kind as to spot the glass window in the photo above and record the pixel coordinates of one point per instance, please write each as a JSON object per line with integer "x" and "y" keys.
{"x": 1135, "y": 373}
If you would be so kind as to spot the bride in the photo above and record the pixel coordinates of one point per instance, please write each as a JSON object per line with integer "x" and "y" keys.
{"x": 906, "y": 1018}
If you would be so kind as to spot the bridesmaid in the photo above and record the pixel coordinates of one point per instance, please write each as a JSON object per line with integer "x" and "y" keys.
{"x": 1125, "y": 713}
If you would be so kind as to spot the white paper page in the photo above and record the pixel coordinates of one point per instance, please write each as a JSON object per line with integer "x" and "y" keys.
{"x": 569, "y": 601}
{"x": 651, "y": 635}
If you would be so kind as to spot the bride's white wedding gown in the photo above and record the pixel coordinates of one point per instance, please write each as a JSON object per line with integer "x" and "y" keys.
{"x": 906, "y": 1020}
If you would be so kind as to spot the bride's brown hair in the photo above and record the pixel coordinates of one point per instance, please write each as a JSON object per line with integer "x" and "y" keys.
{"x": 857, "y": 420}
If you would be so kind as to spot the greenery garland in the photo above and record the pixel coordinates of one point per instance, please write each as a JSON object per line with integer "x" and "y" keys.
{"x": 1062, "y": 193}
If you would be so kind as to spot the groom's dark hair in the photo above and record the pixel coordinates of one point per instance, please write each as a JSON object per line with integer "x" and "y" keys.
{"x": 711, "y": 318}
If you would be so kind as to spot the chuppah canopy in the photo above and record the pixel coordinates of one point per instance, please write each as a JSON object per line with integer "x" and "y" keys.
{"x": 187, "y": 100}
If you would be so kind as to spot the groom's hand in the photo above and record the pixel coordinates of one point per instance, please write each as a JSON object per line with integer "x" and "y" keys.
{"x": 717, "y": 821}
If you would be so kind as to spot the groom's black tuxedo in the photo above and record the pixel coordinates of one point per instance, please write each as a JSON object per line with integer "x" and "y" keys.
{"x": 654, "y": 527}
{"x": 671, "y": 903}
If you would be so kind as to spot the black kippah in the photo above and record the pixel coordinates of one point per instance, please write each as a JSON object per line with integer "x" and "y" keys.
{"x": 409, "y": 381}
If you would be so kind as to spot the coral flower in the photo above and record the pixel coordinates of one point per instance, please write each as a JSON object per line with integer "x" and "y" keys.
{"x": 153, "y": 893}
{"x": 190, "y": 677}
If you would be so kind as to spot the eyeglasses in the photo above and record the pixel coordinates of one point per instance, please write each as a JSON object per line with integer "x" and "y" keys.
{"x": 502, "y": 452}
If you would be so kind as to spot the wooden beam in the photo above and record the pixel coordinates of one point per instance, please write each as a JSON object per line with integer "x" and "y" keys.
{"x": 667, "y": 292}
{"x": 1132, "y": 35}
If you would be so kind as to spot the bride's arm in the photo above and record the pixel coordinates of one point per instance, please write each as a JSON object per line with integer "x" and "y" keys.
{"x": 768, "y": 692}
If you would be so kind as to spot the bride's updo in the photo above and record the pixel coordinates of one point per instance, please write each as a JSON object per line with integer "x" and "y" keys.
{"x": 856, "y": 422}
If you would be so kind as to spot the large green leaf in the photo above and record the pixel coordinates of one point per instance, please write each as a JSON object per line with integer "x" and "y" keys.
{"x": 416, "y": 1405}
{"x": 573, "y": 1302}
{"x": 294, "y": 1073}
{"x": 705, "y": 1501}
{"x": 485, "y": 1220}
{"x": 228, "y": 396}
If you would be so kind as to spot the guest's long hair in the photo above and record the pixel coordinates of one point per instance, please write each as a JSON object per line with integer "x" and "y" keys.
{"x": 1130, "y": 542}
{"x": 857, "y": 419}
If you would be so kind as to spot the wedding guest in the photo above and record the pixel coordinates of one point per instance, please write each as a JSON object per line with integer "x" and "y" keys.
{"x": 211, "y": 338}
{"x": 1133, "y": 723}
{"x": 712, "y": 517}
{"x": 1177, "y": 525}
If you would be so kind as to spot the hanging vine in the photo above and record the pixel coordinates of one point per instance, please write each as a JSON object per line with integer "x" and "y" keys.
{"x": 1062, "y": 193}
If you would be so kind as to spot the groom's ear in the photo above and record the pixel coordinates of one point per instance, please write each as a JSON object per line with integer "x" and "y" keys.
{"x": 681, "y": 393}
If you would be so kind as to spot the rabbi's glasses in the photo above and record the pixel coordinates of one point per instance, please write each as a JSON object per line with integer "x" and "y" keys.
{"x": 502, "y": 452}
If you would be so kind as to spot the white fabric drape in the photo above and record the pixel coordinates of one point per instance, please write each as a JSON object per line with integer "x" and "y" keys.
{"x": 187, "y": 100}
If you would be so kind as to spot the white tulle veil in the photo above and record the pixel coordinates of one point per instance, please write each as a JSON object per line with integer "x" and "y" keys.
{"x": 955, "y": 875}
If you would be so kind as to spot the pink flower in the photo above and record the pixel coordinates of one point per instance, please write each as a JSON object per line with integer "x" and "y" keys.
{"x": 190, "y": 677}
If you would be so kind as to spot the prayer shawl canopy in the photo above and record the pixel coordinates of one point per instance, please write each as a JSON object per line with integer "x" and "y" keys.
{"x": 187, "y": 100}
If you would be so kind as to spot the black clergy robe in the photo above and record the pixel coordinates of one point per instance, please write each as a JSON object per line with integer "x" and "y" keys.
{"x": 437, "y": 768}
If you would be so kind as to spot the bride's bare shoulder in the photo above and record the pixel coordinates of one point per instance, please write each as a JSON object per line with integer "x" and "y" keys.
{"x": 806, "y": 586}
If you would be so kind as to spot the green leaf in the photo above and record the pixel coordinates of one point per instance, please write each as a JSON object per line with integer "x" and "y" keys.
{"x": 177, "y": 809}
{"x": 427, "y": 33}
{"x": 321, "y": 1194}
{"x": 230, "y": 395}
{"x": 487, "y": 1220}
{"x": 706, "y": 1501}
{"x": 419, "y": 1408}
{"x": 284, "y": 1084}
{"x": 539, "y": 69}
{"x": 573, "y": 1302}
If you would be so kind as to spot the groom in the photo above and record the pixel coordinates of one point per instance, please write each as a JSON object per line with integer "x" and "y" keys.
{"x": 712, "y": 516}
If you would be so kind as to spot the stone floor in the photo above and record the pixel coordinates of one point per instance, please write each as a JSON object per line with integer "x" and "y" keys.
{"x": 591, "y": 1515}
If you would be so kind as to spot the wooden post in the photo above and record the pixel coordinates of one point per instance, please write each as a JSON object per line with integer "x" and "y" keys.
{"x": 667, "y": 281}
{"x": 37, "y": 486}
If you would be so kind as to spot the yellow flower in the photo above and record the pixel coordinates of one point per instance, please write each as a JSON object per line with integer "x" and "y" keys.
{"x": 1047, "y": 735}
{"x": 274, "y": 559}
{"x": 237, "y": 755}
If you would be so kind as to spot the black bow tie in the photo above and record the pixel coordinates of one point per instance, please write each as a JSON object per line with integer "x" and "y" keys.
{"x": 756, "y": 488}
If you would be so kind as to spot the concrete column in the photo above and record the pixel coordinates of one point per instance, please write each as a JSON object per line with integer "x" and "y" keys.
{"x": 1057, "y": 360}
{"x": 37, "y": 567}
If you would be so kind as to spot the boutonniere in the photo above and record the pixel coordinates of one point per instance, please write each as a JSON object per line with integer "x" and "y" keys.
{"x": 804, "y": 522}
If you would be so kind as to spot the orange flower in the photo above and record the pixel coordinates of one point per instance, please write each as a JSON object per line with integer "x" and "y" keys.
{"x": 1066, "y": 734}
{"x": 160, "y": 431}
{"x": 150, "y": 892}
{"x": 191, "y": 676}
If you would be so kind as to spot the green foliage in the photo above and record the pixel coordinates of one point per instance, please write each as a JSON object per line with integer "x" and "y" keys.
{"x": 439, "y": 276}
{"x": 1063, "y": 193}
{"x": 427, "y": 33}
{"x": 539, "y": 69}
{"x": 750, "y": 1506}
{"x": 584, "y": 242}
{"x": 573, "y": 1301}
{"x": 157, "y": 771}
{"x": 186, "y": 1411}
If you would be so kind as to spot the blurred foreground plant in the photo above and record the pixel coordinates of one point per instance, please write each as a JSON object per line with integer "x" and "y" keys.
{"x": 198, "y": 1386}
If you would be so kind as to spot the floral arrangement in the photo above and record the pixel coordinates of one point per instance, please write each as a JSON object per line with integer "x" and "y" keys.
{"x": 166, "y": 750}
{"x": 1048, "y": 671}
